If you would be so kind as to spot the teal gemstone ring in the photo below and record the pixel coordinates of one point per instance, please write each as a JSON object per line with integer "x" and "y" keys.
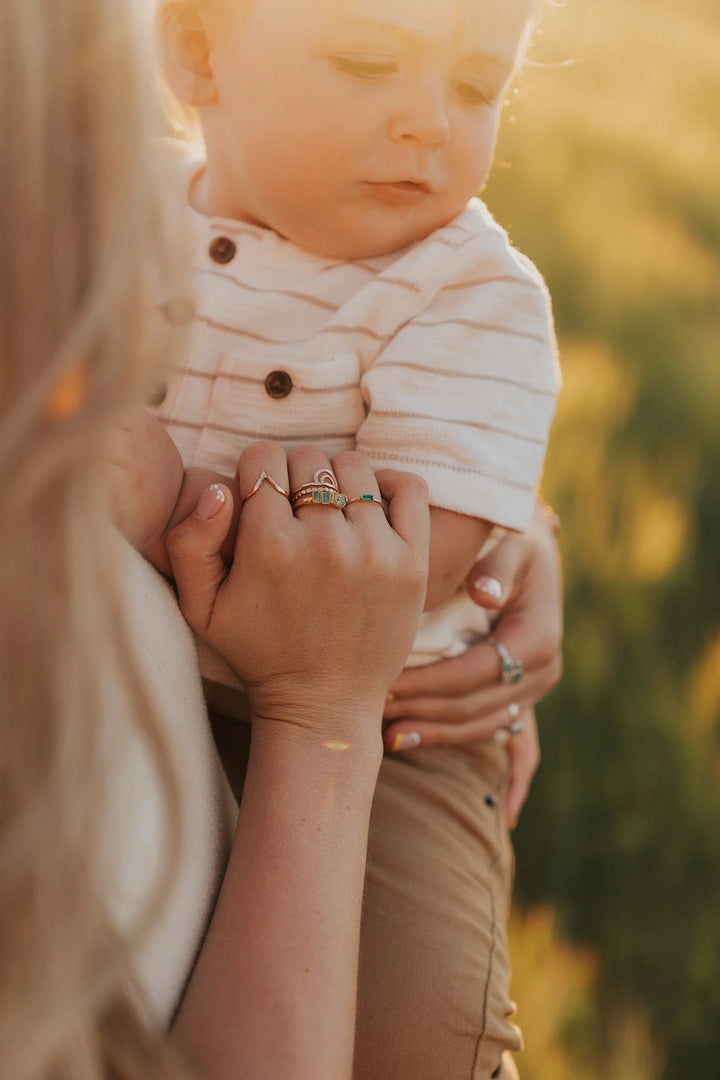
{"x": 365, "y": 499}
{"x": 319, "y": 495}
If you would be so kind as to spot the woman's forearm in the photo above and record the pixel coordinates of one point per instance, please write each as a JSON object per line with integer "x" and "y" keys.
{"x": 273, "y": 992}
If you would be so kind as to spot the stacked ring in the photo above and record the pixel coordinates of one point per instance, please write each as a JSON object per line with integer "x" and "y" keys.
{"x": 262, "y": 478}
{"x": 318, "y": 496}
{"x": 511, "y": 670}
{"x": 323, "y": 491}
{"x": 365, "y": 499}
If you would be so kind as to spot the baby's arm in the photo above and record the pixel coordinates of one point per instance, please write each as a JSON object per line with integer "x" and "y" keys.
{"x": 151, "y": 491}
{"x": 146, "y": 476}
{"x": 455, "y": 540}
{"x": 464, "y": 390}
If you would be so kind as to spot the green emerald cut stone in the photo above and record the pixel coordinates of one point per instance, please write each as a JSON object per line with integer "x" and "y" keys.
{"x": 317, "y": 496}
{"x": 326, "y": 496}
{"x": 367, "y": 498}
{"x": 343, "y": 500}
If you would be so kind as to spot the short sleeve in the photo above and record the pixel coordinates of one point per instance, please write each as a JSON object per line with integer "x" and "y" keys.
{"x": 465, "y": 391}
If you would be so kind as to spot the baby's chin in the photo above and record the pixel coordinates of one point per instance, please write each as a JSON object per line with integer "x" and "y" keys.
{"x": 358, "y": 242}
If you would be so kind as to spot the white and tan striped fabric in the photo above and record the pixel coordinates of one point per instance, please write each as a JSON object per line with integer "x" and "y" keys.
{"x": 439, "y": 359}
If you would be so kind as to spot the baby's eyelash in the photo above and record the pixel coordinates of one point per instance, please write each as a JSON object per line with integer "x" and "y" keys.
{"x": 474, "y": 93}
{"x": 366, "y": 67}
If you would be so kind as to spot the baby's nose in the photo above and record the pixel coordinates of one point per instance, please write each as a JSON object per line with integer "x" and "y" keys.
{"x": 422, "y": 115}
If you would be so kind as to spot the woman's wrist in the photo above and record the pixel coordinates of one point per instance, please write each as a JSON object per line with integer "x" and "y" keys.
{"x": 320, "y": 740}
{"x": 320, "y": 709}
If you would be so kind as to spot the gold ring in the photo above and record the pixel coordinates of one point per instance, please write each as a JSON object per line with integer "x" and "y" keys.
{"x": 320, "y": 496}
{"x": 326, "y": 478}
{"x": 308, "y": 489}
{"x": 365, "y": 499}
{"x": 259, "y": 483}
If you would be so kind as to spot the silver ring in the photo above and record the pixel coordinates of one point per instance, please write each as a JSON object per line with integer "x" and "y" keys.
{"x": 511, "y": 670}
{"x": 513, "y": 710}
{"x": 517, "y": 728}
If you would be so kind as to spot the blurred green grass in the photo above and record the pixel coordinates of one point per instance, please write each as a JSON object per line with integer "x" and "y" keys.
{"x": 608, "y": 176}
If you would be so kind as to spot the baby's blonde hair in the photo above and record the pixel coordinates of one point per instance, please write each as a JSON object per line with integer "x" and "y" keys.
{"x": 75, "y": 218}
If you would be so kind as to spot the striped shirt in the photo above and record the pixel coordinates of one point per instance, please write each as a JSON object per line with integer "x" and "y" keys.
{"x": 439, "y": 359}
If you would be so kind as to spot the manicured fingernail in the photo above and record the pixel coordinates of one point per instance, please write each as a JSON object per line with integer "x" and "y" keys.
{"x": 406, "y": 740}
{"x": 489, "y": 585}
{"x": 210, "y": 502}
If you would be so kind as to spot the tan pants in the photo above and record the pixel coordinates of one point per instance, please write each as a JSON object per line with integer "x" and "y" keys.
{"x": 433, "y": 1000}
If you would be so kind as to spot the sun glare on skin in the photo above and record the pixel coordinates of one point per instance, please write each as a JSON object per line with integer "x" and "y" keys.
{"x": 336, "y": 745}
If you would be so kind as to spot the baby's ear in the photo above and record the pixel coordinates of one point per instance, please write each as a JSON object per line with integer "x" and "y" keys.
{"x": 185, "y": 48}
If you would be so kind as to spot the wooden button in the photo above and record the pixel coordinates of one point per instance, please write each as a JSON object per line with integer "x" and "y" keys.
{"x": 223, "y": 250}
{"x": 179, "y": 310}
{"x": 278, "y": 384}
{"x": 156, "y": 392}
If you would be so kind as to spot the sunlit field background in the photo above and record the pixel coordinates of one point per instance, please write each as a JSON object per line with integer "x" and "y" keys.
{"x": 608, "y": 176}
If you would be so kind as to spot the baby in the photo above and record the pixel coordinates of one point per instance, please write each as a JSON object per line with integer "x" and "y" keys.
{"x": 349, "y": 289}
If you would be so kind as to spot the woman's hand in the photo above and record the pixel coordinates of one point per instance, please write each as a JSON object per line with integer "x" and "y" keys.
{"x": 463, "y": 700}
{"x": 319, "y": 609}
{"x": 316, "y": 615}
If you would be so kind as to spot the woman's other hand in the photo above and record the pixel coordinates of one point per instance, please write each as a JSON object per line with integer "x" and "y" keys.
{"x": 320, "y": 607}
{"x": 463, "y": 700}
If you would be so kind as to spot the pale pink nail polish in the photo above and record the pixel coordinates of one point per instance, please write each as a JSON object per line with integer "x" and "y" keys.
{"x": 489, "y": 585}
{"x": 210, "y": 502}
{"x": 406, "y": 740}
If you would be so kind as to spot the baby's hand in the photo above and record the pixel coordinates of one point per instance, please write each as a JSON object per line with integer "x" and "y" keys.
{"x": 145, "y": 476}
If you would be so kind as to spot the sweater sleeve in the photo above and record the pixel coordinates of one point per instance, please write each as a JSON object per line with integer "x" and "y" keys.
{"x": 465, "y": 391}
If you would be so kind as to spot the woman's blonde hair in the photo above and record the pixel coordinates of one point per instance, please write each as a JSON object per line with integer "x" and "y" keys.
{"x": 76, "y": 217}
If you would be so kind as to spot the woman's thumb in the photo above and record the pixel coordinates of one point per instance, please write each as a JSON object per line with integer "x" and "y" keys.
{"x": 193, "y": 547}
{"x": 492, "y": 578}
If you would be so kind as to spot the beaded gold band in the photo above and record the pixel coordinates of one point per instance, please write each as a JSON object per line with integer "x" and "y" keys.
{"x": 365, "y": 499}
{"x": 308, "y": 489}
{"x": 263, "y": 478}
{"x": 319, "y": 496}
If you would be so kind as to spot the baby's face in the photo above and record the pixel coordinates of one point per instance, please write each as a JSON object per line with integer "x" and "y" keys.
{"x": 355, "y": 127}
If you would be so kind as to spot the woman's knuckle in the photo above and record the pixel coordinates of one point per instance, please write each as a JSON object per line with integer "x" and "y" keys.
{"x": 545, "y": 653}
{"x": 260, "y": 450}
{"x": 554, "y": 671}
{"x": 412, "y": 571}
{"x": 464, "y": 710}
{"x": 349, "y": 459}
{"x": 329, "y": 552}
{"x": 416, "y": 485}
